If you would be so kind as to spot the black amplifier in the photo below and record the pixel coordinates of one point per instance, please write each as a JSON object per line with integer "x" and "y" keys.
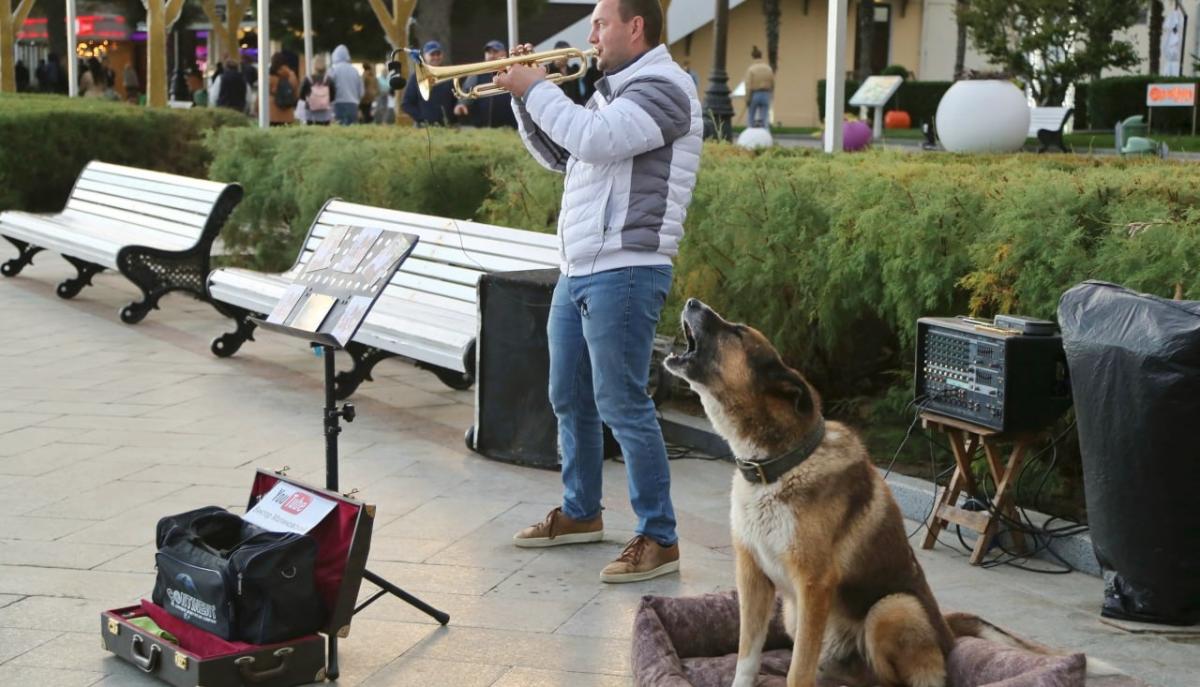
{"x": 1008, "y": 375}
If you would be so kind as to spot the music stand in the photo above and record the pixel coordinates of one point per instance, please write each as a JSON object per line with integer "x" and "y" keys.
{"x": 327, "y": 301}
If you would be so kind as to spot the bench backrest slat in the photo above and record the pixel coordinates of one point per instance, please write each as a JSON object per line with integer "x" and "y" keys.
{"x": 467, "y": 238}
{"x": 194, "y": 201}
{"x": 167, "y": 207}
{"x": 446, "y": 264}
{"x": 150, "y": 231}
{"x": 185, "y": 219}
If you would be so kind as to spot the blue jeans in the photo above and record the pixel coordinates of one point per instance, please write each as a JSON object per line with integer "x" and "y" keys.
{"x": 601, "y": 334}
{"x": 345, "y": 113}
{"x": 759, "y": 113}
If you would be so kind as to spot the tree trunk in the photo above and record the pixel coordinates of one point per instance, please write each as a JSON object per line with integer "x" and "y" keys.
{"x": 56, "y": 30}
{"x": 156, "y": 54}
{"x": 11, "y": 22}
{"x": 866, "y": 39}
{"x": 1156, "y": 25}
{"x": 8, "y": 72}
{"x": 960, "y": 49}
{"x": 771, "y": 12}
{"x": 433, "y": 23}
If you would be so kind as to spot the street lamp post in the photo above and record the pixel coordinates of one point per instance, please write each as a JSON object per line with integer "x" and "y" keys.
{"x": 718, "y": 108}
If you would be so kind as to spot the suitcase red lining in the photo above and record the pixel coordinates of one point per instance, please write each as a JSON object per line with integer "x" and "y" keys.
{"x": 334, "y": 535}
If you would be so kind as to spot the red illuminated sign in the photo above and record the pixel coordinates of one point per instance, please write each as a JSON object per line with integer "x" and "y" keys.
{"x": 1171, "y": 94}
{"x": 87, "y": 27}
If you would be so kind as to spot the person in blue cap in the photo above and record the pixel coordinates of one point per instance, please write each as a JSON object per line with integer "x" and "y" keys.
{"x": 439, "y": 109}
{"x": 492, "y": 112}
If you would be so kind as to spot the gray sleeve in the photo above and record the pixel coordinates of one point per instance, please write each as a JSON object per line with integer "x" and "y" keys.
{"x": 666, "y": 103}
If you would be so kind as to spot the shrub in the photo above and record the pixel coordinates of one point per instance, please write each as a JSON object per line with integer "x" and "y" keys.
{"x": 1113, "y": 99}
{"x": 289, "y": 173}
{"x": 48, "y": 139}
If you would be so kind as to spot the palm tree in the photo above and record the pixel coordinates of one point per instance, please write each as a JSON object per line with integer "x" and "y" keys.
{"x": 771, "y": 13}
{"x": 866, "y": 39}
{"x": 1156, "y": 23}
{"x": 960, "y": 49}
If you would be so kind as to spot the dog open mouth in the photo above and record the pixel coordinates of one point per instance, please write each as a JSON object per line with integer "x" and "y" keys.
{"x": 679, "y": 360}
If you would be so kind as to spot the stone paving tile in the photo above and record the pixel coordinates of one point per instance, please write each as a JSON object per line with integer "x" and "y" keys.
{"x": 450, "y": 579}
{"x": 530, "y": 677}
{"x": 528, "y": 649}
{"x": 86, "y": 584}
{"x": 40, "y": 529}
{"x": 73, "y": 650}
{"x": 135, "y": 560}
{"x": 49, "y": 458}
{"x": 428, "y": 672}
{"x": 16, "y": 641}
{"x": 465, "y": 610}
{"x": 19, "y": 441}
{"x": 56, "y": 613}
{"x": 46, "y": 677}
{"x": 57, "y": 554}
{"x": 445, "y": 518}
{"x": 405, "y": 550}
{"x": 373, "y": 644}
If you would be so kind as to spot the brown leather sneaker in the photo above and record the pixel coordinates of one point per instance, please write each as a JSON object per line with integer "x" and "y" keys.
{"x": 642, "y": 559}
{"x": 557, "y": 529}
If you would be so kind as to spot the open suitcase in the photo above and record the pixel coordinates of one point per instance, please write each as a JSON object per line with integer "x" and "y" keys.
{"x": 201, "y": 658}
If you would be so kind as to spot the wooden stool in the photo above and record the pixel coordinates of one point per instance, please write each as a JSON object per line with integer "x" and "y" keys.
{"x": 965, "y": 438}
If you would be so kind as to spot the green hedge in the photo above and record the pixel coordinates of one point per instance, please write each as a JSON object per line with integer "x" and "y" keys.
{"x": 1082, "y": 116}
{"x": 1112, "y": 100}
{"x": 48, "y": 139}
{"x": 289, "y": 173}
{"x": 918, "y": 98}
{"x": 833, "y": 258}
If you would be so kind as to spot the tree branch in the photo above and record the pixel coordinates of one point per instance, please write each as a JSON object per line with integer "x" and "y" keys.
{"x": 383, "y": 15}
{"x": 171, "y": 12}
{"x": 20, "y": 15}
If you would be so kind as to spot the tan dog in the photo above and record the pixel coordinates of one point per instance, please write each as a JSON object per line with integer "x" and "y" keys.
{"x": 814, "y": 521}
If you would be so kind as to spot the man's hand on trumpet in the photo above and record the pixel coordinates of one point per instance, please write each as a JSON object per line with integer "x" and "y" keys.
{"x": 519, "y": 78}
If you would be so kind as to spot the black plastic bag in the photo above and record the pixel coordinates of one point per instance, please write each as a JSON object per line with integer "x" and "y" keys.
{"x": 1135, "y": 372}
{"x": 237, "y": 580}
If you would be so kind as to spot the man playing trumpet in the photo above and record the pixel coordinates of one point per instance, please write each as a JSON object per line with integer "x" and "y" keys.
{"x": 630, "y": 156}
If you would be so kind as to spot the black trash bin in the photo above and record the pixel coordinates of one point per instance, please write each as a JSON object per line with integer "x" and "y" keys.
{"x": 514, "y": 422}
{"x": 1135, "y": 372}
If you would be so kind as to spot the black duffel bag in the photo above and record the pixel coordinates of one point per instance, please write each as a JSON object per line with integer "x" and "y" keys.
{"x": 237, "y": 580}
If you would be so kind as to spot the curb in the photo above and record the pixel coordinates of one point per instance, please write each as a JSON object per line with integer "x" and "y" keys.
{"x": 915, "y": 496}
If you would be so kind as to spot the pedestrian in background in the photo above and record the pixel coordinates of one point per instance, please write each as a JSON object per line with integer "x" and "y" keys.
{"x": 318, "y": 94}
{"x": 283, "y": 88}
{"x": 439, "y": 109}
{"x": 348, "y": 86}
{"x": 760, "y": 83}
{"x": 492, "y": 112}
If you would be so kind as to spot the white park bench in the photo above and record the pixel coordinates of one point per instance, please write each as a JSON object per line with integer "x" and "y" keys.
{"x": 156, "y": 228}
{"x": 427, "y": 314}
{"x": 1046, "y": 125}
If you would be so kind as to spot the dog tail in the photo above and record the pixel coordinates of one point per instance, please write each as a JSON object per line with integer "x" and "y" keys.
{"x": 969, "y": 625}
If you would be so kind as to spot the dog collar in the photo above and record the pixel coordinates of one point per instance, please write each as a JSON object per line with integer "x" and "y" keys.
{"x": 771, "y": 469}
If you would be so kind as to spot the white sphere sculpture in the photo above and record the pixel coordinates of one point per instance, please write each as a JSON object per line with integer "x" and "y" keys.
{"x": 983, "y": 117}
{"x": 755, "y": 137}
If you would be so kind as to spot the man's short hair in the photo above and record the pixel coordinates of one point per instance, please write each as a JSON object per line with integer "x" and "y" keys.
{"x": 652, "y": 17}
{"x": 755, "y": 53}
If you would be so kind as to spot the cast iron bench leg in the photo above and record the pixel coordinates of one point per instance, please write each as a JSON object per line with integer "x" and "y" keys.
{"x": 70, "y": 288}
{"x": 26, "y": 251}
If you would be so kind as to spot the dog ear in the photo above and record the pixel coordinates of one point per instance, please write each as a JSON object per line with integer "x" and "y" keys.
{"x": 790, "y": 384}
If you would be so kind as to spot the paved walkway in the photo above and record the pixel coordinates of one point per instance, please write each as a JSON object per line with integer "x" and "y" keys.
{"x": 105, "y": 427}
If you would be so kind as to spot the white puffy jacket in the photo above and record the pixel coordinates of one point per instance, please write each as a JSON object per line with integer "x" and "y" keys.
{"x": 630, "y": 157}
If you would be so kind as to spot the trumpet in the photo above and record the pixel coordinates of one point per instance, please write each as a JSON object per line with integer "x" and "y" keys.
{"x": 427, "y": 76}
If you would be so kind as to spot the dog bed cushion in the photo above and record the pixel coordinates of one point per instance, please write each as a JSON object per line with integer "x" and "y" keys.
{"x": 693, "y": 641}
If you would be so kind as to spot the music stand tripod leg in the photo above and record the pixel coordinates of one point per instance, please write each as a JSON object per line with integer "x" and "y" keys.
{"x": 333, "y": 415}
